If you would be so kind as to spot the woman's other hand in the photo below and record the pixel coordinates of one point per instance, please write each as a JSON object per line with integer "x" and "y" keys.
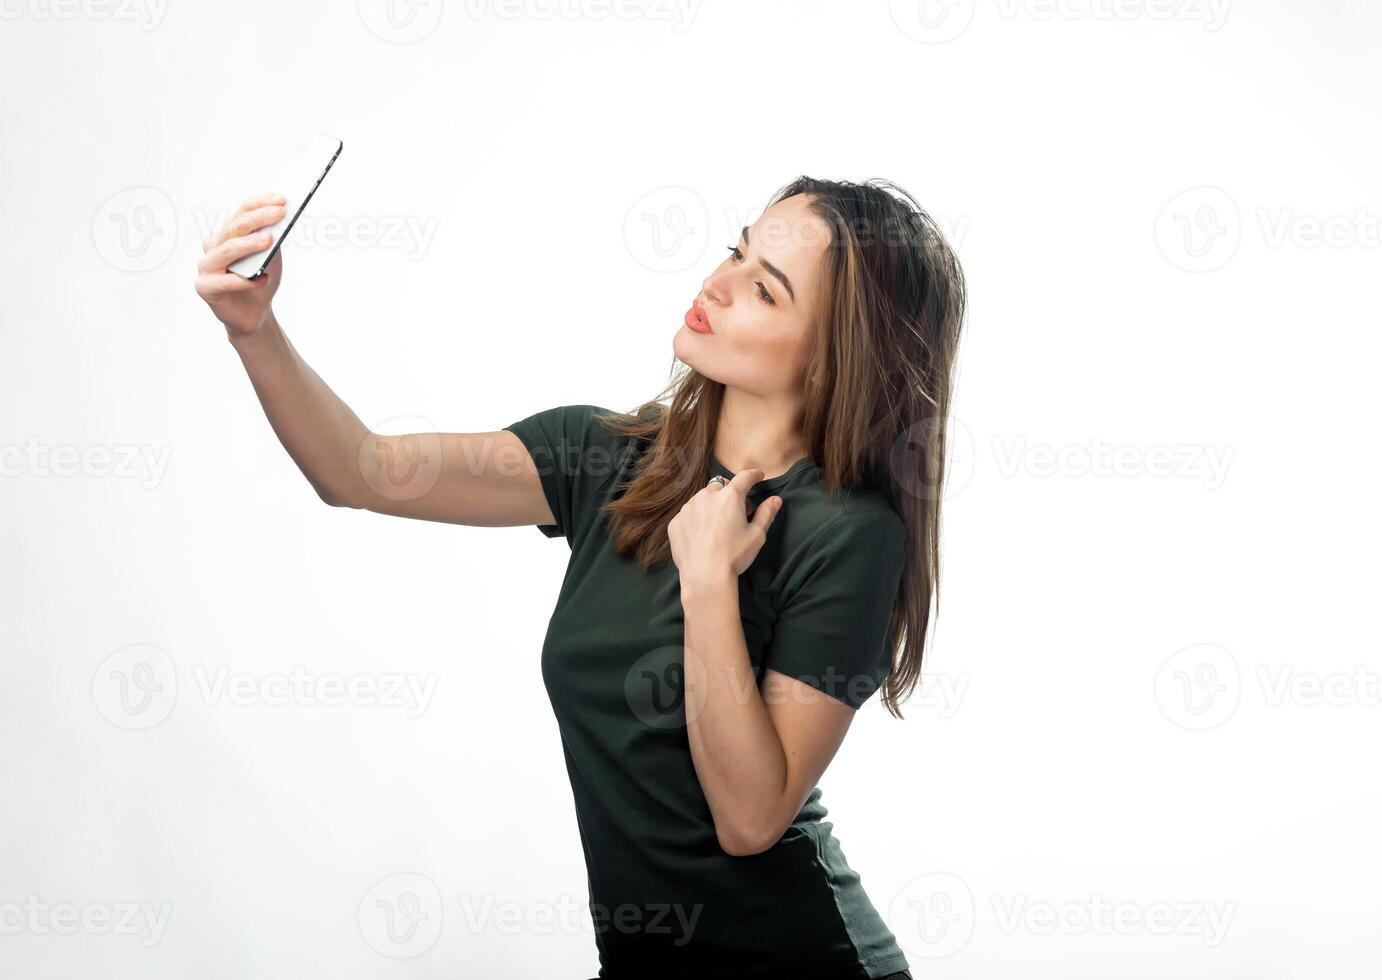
{"x": 712, "y": 535}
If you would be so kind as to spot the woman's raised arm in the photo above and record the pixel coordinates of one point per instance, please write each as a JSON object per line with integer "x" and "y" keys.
{"x": 486, "y": 479}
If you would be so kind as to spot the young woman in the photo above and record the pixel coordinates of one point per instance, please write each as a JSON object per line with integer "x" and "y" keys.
{"x": 749, "y": 564}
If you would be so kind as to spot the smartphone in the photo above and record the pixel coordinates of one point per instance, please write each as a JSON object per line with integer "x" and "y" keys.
{"x": 297, "y": 182}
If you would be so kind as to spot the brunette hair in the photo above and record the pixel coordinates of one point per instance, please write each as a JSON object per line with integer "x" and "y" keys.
{"x": 877, "y": 397}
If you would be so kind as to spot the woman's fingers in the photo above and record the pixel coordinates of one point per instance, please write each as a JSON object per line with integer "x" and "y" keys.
{"x": 259, "y": 200}
{"x": 254, "y": 213}
{"x": 248, "y": 221}
{"x": 228, "y": 251}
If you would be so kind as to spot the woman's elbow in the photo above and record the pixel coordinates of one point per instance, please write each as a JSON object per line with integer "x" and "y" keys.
{"x": 743, "y": 842}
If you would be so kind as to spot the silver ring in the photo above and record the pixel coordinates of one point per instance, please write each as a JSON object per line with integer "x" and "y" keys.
{"x": 717, "y": 478}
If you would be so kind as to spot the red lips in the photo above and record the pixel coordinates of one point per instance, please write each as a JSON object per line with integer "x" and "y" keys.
{"x": 696, "y": 318}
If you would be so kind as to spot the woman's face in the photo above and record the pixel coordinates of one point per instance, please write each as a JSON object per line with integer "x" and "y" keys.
{"x": 761, "y": 302}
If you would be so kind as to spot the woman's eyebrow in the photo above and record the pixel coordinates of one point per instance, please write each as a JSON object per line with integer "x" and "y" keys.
{"x": 786, "y": 283}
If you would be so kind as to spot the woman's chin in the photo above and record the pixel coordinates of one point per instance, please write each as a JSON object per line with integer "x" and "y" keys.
{"x": 682, "y": 345}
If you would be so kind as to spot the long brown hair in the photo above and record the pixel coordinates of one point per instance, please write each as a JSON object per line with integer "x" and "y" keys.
{"x": 877, "y": 397}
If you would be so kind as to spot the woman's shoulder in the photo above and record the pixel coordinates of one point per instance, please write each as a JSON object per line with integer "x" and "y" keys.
{"x": 852, "y": 516}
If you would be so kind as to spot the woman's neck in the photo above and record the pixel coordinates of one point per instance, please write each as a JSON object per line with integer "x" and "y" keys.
{"x": 757, "y": 432}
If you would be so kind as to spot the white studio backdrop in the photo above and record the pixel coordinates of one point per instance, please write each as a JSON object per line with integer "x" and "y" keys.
{"x": 1145, "y": 744}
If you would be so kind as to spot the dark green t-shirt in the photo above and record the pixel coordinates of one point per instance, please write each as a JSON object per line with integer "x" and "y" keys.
{"x": 667, "y": 902}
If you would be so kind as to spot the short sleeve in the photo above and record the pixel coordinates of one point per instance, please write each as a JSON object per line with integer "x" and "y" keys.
{"x": 574, "y": 455}
{"x": 832, "y": 627}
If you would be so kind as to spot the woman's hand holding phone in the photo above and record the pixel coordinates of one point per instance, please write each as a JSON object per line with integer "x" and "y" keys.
{"x": 239, "y": 303}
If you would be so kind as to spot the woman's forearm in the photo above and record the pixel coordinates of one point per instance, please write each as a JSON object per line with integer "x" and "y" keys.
{"x": 319, "y": 431}
{"x": 735, "y": 748}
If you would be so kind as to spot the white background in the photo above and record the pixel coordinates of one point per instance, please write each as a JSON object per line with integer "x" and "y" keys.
{"x": 1154, "y": 685}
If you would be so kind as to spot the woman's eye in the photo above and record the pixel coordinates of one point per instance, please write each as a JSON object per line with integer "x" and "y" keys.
{"x": 763, "y": 294}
